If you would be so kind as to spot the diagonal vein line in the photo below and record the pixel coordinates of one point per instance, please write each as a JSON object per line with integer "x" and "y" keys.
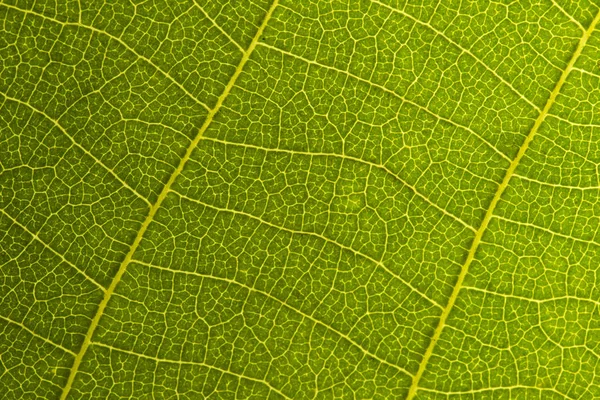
{"x": 321, "y": 237}
{"x": 460, "y": 47}
{"x": 167, "y": 361}
{"x": 218, "y": 27}
{"x": 47, "y": 246}
{"x": 116, "y": 39}
{"x": 509, "y": 389}
{"x": 550, "y": 231}
{"x": 283, "y": 304}
{"x": 565, "y": 13}
{"x": 36, "y": 335}
{"x": 567, "y": 297}
{"x": 490, "y": 212}
{"x": 163, "y": 194}
{"x": 392, "y": 93}
{"x": 381, "y": 167}
{"x": 80, "y": 147}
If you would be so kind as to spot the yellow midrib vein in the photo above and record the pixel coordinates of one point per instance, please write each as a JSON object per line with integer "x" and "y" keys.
{"x": 163, "y": 194}
{"x": 490, "y": 211}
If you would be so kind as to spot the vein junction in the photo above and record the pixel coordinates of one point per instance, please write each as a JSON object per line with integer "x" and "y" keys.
{"x": 165, "y": 191}
{"x": 495, "y": 200}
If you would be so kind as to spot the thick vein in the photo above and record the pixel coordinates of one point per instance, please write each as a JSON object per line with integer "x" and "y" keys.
{"x": 166, "y": 189}
{"x": 319, "y": 236}
{"x": 391, "y": 92}
{"x": 118, "y": 40}
{"x": 354, "y": 159}
{"x": 37, "y": 238}
{"x": 461, "y": 48}
{"x": 284, "y": 304}
{"x": 164, "y": 360}
{"x": 380, "y": 166}
{"x": 342, "y": 156}
{"x": 38, "y": 336}
{"x": 490, "y": 212}
{"x": 93, "y": 157}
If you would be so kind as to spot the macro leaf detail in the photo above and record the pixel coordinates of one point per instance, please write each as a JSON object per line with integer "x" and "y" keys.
{"x": 299, "y": 199}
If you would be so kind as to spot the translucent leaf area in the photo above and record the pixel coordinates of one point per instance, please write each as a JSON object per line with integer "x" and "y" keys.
{"x": 299, "y": 199}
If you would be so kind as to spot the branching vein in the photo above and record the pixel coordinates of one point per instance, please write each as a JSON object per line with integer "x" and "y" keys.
{"x": 156, "y": 206}
{"x": 494, "y": 202}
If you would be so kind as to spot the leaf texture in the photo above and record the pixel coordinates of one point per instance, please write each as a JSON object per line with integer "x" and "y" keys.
{"x": 299, "y": 199}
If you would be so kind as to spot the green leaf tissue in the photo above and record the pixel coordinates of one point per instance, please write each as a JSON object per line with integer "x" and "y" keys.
{"x": 299, "y": 199}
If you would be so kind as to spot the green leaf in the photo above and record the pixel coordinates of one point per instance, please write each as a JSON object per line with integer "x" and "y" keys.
{"x": 299, "y": 199}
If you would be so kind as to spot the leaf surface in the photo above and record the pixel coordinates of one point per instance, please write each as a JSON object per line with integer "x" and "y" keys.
{"x": 299, "y": 199}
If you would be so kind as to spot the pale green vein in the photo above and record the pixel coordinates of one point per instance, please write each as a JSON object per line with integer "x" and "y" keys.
{"x": 319, "y": 236}
{"x": 218, "y": 27}
{"x": 565, "y": 13}
{"x": 549, "y": 231}
{"x": 563, "y": 347}
{"x": 38, "y": 336}
{"x": 79, "y": 10}
{"x": 462, "y": 168}
{"x": 393, "y": 93}
{"x": 37, "y": 238}
{"x": 461, "y": 48}
{"x": 509, "y": 389}
{"x": 89, "y": 154}
{"x": 586, "y": 72}
{"x": 569, "y": 151}
{"x": 118, "y": 40}
{"x": 582, "y": 124}
{"x": 531, "y": 300}
{"x": 156, "y": 206}
{"x": 167, "y": 361}
{"x": 557, "y": 185}
{"x": 478, "y": 340}
{"x": 494, "y": 202}
{"x": 381, "y": 167}
{"x": 309, "y": 317}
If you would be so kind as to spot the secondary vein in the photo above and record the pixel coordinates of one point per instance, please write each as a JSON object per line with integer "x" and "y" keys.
{"x": 490, "y": 211}
{"x": 166, "y": 189}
